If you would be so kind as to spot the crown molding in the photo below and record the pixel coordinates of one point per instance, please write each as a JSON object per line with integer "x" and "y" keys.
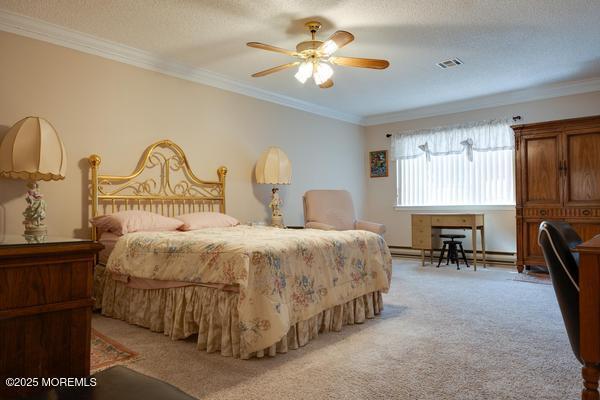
{"x": 45, "y": 31}
{"x": 496, "y": 100}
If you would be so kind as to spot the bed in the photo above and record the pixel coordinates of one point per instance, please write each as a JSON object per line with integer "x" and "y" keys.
{"x": 245, "y": 291}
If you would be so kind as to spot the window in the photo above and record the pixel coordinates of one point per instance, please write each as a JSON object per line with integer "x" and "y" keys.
{"x": 460, "y": 165}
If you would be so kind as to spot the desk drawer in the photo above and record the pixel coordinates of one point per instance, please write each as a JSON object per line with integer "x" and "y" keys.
{"x": 421, "y": 238}
{"x": 452, "y": 220}
{"x": 421, "y": 243}
{"x": 421, "y": 220}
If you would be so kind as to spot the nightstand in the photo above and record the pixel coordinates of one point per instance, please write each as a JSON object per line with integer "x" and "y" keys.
{"x": 45, "y": 309}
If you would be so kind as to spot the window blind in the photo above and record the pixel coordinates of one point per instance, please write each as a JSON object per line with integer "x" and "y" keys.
{"x": 463, "y": 165}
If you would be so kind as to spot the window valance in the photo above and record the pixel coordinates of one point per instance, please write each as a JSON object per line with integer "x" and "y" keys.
{"x": 477, "y": 136}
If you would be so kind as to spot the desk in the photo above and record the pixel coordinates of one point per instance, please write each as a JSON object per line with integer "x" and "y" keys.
{"x": 589, "y": 316}
{"x": 423, "y": 224}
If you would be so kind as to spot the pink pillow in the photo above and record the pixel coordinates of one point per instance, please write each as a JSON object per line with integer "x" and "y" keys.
{"x": 202, "y": 220}
{"x": 123, "y": 222}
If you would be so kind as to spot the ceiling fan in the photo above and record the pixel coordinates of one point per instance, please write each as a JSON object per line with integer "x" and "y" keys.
{"x": 315, "y": 56}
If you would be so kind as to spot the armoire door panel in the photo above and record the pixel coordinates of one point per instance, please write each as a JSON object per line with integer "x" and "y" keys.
{"x": 582, "y": 169}
{"x": 531, "y": 247}
{"x": 540, "y": 169}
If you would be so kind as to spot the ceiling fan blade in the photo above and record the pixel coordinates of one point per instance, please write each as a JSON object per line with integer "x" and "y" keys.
{"x": 268, "y": 47}
{"x": 275, "y": 69}
{"x": 360, "y": 62}
{"x": 336, "y": 41}
{"x": 327, "y": 84}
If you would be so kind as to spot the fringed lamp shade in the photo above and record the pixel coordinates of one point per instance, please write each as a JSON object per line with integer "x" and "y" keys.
{"x": 274, "y": 167}
{"x": 32, "y": 150}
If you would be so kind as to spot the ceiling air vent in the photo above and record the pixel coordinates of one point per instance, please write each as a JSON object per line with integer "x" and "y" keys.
{"x": 453, "y": 62}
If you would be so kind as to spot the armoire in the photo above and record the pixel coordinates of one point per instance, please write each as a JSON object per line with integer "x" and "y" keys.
{"x": 557, "y": 178}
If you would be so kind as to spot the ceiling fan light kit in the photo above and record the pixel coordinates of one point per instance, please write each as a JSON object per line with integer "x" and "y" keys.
{"x": 322, "y": 73}
{"x": 305, "y": 70}
{"x": 316, "y": 57}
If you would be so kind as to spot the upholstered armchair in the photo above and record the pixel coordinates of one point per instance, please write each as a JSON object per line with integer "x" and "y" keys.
{"x": 333, "y": 210}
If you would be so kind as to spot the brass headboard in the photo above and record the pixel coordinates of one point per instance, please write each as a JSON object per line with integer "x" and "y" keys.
{"x": 162, "y": 191}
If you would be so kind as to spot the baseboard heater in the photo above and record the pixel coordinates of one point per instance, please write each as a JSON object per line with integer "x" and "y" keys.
{"x": 500, "y": 258}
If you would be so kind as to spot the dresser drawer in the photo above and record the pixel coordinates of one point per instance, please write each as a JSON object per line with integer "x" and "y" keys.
{"x": 45, "y": 283}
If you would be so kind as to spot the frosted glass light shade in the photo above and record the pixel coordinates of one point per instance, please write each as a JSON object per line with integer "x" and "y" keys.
{"x": 304, "y": 71}
{"x": 274, "y": 167}
{"x": 33, "y": 150}
{"x": 322, "y": 73}
{"x": 329, "y": 47}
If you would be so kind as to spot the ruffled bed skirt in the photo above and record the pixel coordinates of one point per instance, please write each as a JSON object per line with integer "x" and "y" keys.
{"x": 212, "y": 314}
{"x": 98, "y": 288}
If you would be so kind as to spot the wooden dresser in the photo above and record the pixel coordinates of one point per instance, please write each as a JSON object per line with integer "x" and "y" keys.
{"x": 557, "y": 178}
{"x": 45, "y": 309}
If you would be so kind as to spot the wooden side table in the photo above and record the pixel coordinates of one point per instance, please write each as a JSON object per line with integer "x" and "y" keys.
{"x": 45, "y": 309}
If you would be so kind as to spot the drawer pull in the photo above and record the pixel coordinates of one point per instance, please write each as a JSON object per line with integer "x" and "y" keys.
{"x": 586, "y": 213}
{"x": 543, "y": 213}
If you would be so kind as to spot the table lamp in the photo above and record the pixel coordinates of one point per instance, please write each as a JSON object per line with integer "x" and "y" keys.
{"x": 274, "y": 168}
{"x": 32, "y": 150}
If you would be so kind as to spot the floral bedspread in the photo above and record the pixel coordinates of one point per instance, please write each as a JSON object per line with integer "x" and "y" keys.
{"x": 284, "y": 275}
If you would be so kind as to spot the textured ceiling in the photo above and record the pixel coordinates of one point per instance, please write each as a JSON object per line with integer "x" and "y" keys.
{"x": 505, "y": 45}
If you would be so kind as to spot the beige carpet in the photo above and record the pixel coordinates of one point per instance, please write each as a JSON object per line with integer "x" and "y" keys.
{"x": 444, "y": 334}
{"x": 533, "y": 277}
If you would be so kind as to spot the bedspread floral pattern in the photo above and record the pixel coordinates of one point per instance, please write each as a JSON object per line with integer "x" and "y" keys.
{"x": 284, "y": 275}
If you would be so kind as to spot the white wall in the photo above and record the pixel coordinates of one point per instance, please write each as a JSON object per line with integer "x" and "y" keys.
{"x": 500, "y": 225}
{"x": 116, "y": 110}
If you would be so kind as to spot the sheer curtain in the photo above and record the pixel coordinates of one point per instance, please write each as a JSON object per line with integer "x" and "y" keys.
{"x": 470, "y": 164}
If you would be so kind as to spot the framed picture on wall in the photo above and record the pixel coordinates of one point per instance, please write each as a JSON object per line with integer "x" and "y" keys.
{"x": 378, "y": 162}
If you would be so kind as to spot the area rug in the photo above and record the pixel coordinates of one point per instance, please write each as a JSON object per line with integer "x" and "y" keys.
{"x": 107, "y": 352}
{"x": 533, "y": 277}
